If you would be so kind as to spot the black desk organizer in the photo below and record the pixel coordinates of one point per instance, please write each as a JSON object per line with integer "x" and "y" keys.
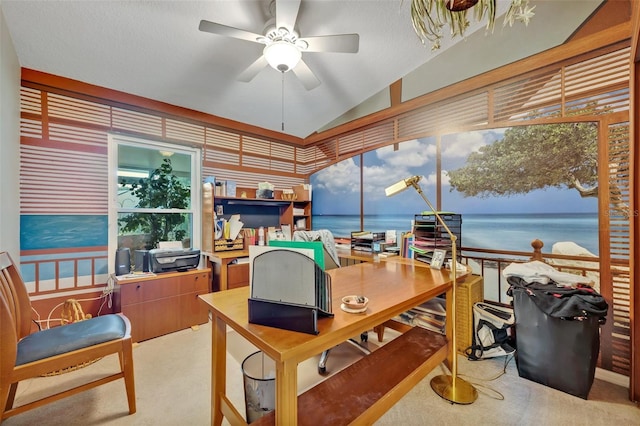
{"x": 289, "y": 291}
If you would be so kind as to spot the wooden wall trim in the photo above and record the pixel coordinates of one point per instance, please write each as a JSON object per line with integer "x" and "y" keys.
{"x": 66, "y": 86}
{"x": 619, "y": 33}
{"x": 395, "y": 93}
{"x": 634, "y": 258}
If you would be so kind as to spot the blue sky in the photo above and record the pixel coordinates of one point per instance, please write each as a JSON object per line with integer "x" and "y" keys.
{"x": 336, "y": 188}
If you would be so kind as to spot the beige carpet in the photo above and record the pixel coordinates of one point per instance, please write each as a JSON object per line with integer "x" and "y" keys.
{"x": 173, "y": 388}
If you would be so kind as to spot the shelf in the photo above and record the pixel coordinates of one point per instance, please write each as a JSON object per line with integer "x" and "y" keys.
{"x": 253, "y": 201}
{"x": 254, "y": 212}
{"x": 430, "y": 234}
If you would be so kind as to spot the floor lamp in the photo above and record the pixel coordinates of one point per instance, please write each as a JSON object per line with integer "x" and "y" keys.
{"x": 449, "y": 387}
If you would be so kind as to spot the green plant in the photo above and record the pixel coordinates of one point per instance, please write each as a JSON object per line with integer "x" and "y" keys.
{"x": 430, "y": 16}
{"x": 162, "y": 190}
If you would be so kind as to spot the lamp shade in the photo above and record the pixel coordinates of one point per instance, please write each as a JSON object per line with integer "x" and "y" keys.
{"x": 282, "y": 55}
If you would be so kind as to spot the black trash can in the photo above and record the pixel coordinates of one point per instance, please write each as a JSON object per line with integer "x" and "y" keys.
{"x": 557, "y": 334}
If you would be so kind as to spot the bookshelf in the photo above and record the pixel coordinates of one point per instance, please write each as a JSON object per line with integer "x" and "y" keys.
{"x": 254, "y": 212}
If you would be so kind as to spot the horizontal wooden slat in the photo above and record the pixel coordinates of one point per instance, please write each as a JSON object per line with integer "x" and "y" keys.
{"x": 78, "y": 110}
{"x": 123, "y": 119}
{"x": 186, "y": 132}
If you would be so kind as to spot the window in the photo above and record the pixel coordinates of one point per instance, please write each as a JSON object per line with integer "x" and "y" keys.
{"x": 154, "y": 195}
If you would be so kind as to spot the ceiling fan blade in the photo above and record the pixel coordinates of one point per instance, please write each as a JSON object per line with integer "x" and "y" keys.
{"x": 223, "y": 30}
{"x": 253, "y": 69}
{"x": 306, "y": 76}
{"x": 345, "y": 43}
{"x": 287, "y": 13}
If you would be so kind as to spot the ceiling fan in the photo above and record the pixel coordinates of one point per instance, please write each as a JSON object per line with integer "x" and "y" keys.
{"x": 283, "y": 46}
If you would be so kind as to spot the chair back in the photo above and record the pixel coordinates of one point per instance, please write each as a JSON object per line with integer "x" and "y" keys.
{"x": 15, "y": 297}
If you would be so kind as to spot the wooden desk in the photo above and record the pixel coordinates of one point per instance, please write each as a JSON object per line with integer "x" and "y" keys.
{"x": 392, "y": 288}
{"x": 224, "y": 258}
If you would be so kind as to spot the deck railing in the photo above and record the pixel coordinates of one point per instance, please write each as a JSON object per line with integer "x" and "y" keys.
{"x": 64, "y": 271}
{"x": 491, "y": 263}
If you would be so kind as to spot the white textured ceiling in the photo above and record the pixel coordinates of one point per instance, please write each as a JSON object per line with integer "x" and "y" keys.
{"x": 154, "y": 49}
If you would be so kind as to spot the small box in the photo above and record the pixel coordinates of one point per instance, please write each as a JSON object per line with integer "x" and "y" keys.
{"x": 264, "y": 193}
{"x": 231, "y": 188}
{"x": 303, "y": 192}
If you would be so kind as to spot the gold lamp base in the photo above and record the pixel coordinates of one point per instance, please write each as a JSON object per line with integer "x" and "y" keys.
{"x": 455, "y": 390}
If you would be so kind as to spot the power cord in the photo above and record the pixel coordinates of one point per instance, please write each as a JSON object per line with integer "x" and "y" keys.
{"x": 490, "y": 392}
{"x": 108, "y": 291}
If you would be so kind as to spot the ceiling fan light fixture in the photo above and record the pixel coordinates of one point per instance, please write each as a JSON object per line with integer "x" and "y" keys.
{"x": 282, "y": 55}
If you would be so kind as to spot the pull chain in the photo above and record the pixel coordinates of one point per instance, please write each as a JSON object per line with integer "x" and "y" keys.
{"x": 282, "y": 102}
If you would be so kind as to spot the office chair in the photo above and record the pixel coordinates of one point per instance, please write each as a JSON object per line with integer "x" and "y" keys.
{"x": 331, "y": 261}
{"x": 25, "y": 355}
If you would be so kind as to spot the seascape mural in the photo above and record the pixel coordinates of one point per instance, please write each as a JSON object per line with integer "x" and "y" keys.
{"x": 511, "y": 186}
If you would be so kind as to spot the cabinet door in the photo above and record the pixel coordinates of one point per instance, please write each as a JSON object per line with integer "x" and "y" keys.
{"x": 238, "y": 275}
{"x": 153, "y": 318}
{"x": 192, "y": 310}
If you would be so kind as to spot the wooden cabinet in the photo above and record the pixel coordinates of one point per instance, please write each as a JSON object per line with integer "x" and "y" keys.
{"x": 238, "y": 275}
{"x": 254, "y": 212}
{"x": 230, "y": 270}
{"x": 164, "y": 303}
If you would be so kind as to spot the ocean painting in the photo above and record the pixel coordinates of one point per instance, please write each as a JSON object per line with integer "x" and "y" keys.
{"x": 510, "y": 232}
{"x": 507, "y": 191}
{"x": 510, "y": 186}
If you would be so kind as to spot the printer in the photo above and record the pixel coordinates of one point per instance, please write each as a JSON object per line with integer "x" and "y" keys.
{"x": 173, "y": 259}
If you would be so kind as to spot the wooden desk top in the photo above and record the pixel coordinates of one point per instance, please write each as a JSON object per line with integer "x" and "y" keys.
{"x": 347, "y": 253}
{"x": 135, "y": 278}
{"x": 392, "y": 288}
{"x": 228, "y": 254}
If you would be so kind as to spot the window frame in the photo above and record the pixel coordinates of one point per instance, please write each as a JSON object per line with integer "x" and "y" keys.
{"x": 117, "y": 140}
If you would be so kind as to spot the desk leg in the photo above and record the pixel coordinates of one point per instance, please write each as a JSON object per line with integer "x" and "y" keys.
{"x": 218, "y": 368}
{"x": 286, "y": 393}
{"x": 224, "y": 273}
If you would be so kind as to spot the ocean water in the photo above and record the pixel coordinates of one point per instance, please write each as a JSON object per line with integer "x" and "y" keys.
{"x": 513, "y": 232}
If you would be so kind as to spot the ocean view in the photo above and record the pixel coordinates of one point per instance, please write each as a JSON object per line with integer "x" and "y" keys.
{"x": 491, "y": 231}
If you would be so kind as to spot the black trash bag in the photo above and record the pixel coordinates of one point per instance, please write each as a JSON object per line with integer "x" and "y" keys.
{"x": 563, "y": 302}
{"x": 557, "y": 334}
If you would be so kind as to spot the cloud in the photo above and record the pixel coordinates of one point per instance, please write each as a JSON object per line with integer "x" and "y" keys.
{"x": 444, "y": 179}
{"x": 459, "y": 145}
{"x": 340, "y": 178}
{"x": 376, "y": 178}
{"x": 414, "y": 153}
{"x": 396, "y": 165}
{"x": 412, "y": 157}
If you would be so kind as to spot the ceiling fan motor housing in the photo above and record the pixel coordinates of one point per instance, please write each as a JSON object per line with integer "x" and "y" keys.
{"x": 283, "y": 49}
{"x": 282, "y": 55}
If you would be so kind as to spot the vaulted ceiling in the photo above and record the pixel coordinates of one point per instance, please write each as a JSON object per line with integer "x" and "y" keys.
{"x": 154, "y": 49}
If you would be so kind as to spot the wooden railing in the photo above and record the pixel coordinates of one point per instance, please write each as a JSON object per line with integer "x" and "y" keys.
{"x": 491, "y": 263}
{"x": 57, "y": 282}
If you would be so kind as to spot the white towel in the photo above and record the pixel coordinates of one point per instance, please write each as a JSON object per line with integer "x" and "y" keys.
{"x": 540, "y": 272}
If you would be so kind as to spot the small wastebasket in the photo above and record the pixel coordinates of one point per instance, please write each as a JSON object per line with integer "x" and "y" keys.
{"x": 259, "y": 376}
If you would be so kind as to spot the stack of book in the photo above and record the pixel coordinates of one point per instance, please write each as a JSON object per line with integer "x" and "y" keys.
{"x": 406, "y": 241}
